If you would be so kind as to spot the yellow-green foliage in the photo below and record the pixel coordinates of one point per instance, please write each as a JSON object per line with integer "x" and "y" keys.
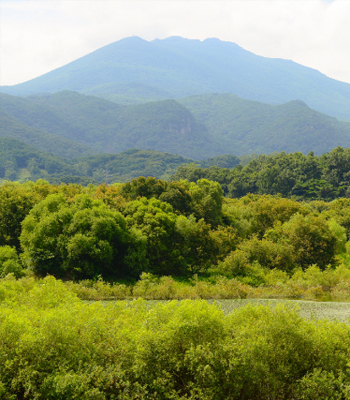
{"x": 54, "y": 346}
{"x": 9, "y": 262}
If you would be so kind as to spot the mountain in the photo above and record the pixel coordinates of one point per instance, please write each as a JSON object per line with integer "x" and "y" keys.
{"x": 70, "y": 124}
{"x": 252, "y": 127}
{"x": 14, "y": 128}
{"x": 106, "y": 127}
{"x": 135, "y": 70}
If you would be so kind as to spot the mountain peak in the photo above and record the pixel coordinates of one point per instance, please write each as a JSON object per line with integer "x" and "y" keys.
{"x": 183, "y": 67}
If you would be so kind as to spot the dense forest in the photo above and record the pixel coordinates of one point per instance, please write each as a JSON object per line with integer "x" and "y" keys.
{"x": 177, "y": 228}
{"x": 295, "y": 175}
{"x": 160, "y": 239}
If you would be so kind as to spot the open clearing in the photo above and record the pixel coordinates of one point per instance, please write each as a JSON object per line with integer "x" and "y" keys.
{"x": 307, "y": 309}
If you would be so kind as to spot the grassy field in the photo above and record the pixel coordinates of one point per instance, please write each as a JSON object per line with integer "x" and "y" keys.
{"x": 307, "y": 309}
{"x": 333, "y": 311}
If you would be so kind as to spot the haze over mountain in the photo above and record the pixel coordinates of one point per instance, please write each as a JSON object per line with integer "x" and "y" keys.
{"x": 11, "y": 127}
{"x": 70, "y": 124}
{"x": 252, "y": 127}
{"x": 106, "y": 127}
{"x": 135, "y": 70}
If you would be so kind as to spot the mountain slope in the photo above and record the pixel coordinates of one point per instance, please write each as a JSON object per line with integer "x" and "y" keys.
{"x": 70, "y": 124}
{"x": 13, "y": 128}
{"x": 165, "y": 126}
{"x": 253, "y": 127}
{"x": 182, "y": 67}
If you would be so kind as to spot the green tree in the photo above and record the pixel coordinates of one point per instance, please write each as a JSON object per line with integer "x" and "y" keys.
{"x": 178, "y": 195}
{"x": 9, "y": 262}
{"x": 156, "y": 221}
{"x": 265, "y": 252}
{"x": 143, "y": 187}
{"x": 313, "y": 240}
{"x": 15, "y": 203}
{"x": 196, "y": 243}
{"x": 79, "y": 239}
{"x": 207, "y": 198}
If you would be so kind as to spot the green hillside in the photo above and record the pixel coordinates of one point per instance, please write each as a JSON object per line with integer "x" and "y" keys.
{"x": 129, "y": 93}
{"x": 251, "y": 127}
{"x": 44, "y": 141}
{"x": 165, "y": 126}
{"x": 133, "y": 69}
{"x": 70, "y": 124}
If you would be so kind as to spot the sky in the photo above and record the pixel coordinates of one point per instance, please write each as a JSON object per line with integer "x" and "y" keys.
{"x": 37, "y": 36}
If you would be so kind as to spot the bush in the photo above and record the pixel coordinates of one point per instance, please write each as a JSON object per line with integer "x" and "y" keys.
{"x": 9, "y": 262}
{"x": 53, "y": 346}
{"x": 263, "y": 252}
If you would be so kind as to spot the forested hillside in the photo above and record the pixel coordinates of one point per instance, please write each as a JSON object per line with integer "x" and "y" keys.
{"x": 70, "y": 124}
{"x": 134, "y": 69}
{"x": 104, "y": 126}
{"x": 11, "y": 127}
{"x": 252, "y": 127}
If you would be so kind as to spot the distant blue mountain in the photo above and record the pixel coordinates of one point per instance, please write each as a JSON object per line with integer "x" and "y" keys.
{"x": 135, "y": 70}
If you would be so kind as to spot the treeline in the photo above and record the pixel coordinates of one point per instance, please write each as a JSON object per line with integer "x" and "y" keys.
{"x": 309, "y": 177}
{"x": 20, "y": 162}
{"x": 165, "y": 228}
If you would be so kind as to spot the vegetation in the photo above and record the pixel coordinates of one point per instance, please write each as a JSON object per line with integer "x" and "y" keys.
{"x": 183, "y": 240}
{"x": 105, "y": 127}
{"x": 168, "y": 228}
{"x": 73, "y": 125}
{"x": 218, "y": 229}
{"x": 13, "y": 128}
{"x": 294, "y": 175}
{"x": 309, "y": 177}
{"x": 247, "y": 126}
{"x": 19, "y": 161}
{"x": 52, "y": 345}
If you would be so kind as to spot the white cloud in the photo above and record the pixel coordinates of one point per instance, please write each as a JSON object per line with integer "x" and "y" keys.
{"x": 38, "y": 36}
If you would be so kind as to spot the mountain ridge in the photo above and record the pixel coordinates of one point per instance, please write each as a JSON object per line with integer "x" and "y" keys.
{"x": 196, "y": 127}
{"x": 183, "y": 67}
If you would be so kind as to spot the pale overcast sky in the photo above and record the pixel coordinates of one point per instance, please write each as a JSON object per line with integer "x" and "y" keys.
{"x": 38, "y": 36}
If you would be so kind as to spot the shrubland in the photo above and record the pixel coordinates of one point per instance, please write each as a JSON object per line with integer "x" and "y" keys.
{"x": 64, "y": 246}
{"x": 55, "y": 346}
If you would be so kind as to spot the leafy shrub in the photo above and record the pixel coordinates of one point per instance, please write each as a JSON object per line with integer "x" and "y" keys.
{"x": 54, "y": 346}
{"x": 9, "y": 262}
{"x": 266, "y": 253}
{"x": 312, "y": 239}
